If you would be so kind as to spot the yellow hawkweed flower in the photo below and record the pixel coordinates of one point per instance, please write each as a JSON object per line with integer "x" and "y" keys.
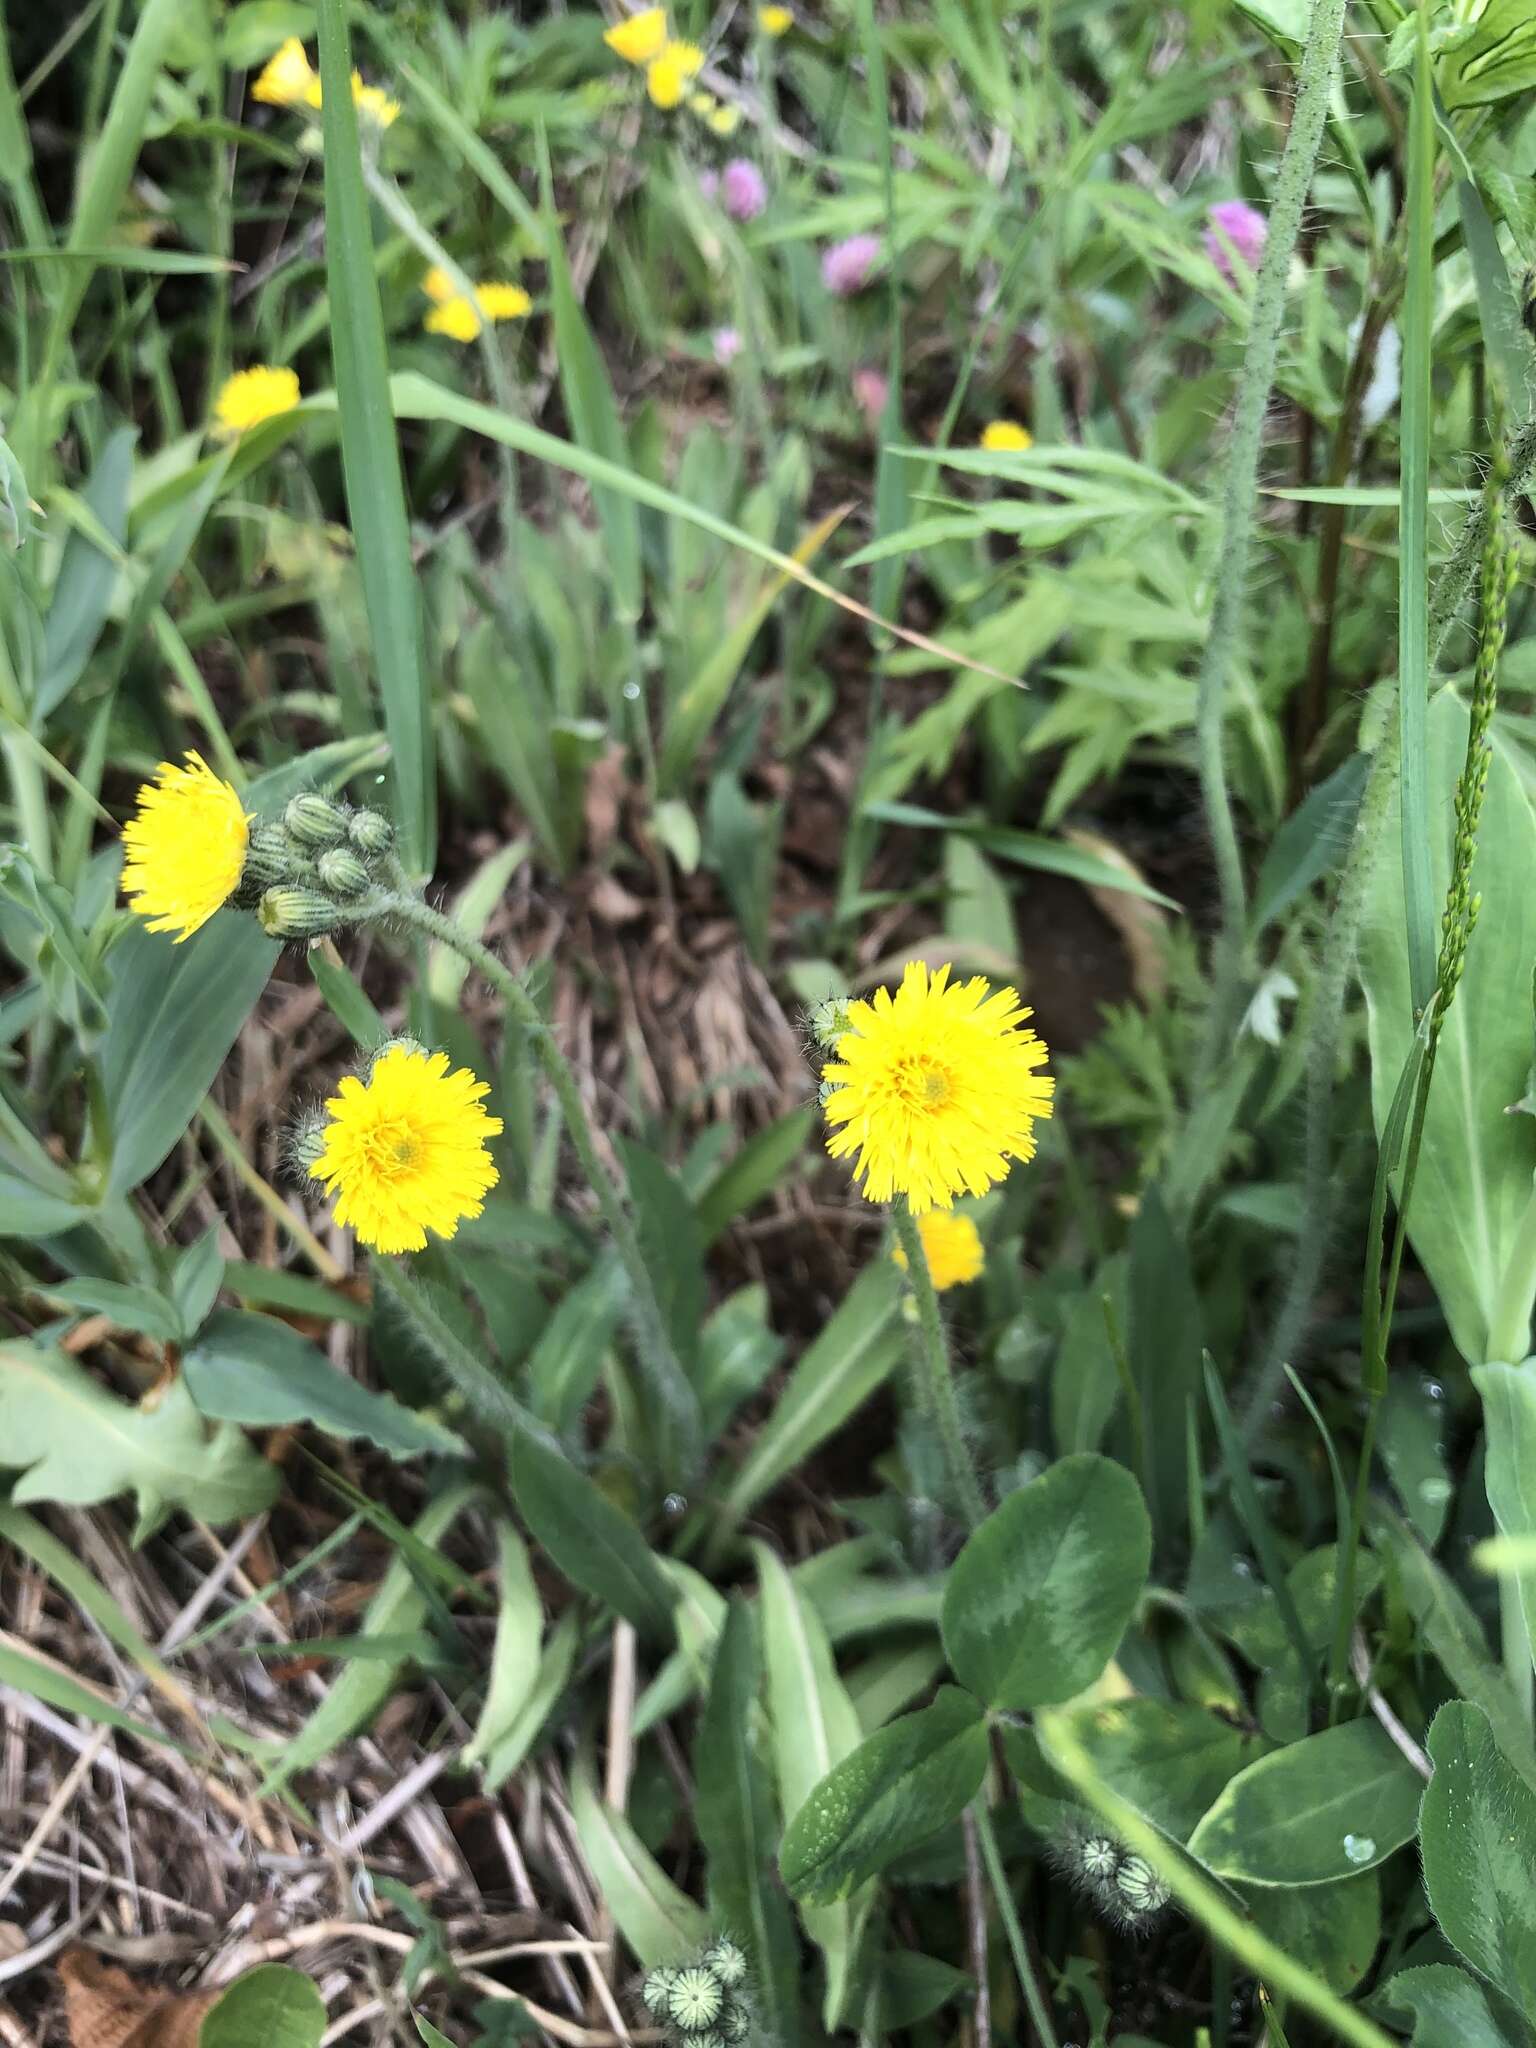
{"x": 404, "y": 1152}
{"x": 725, "y": 120}
{"x": 286, "y": 77}
{"x": 935, "y": 1088}
{"x": 667, "y": 76}
{"x": 640, "y": 38}
{"x": 702, "y": 103}
{"x": 951, "y": 1245}
{"x": 775, "y": 21}
{"x": 251, "y": 396}
{"x": 186, "y": 847}
{"x": 1006, "y": 437}
{"x": 371, "y": 101}
{"x": 452, "y": 314}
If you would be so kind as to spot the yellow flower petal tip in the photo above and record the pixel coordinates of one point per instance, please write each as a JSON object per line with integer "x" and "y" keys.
{"x": 936, "y": 1089}
{"x": 640, "y": 38}
{"x": 254, "y": 395}
{"x": 286, "y": 78}
{"x": 405, "y": 1151}
{"x": 703, "y": 104}
{"x": 185, "y": 847}
{"x": 952, "y": 1247}
{"x": 1006, "y": 437}
{"x": 371, "y": 101}
{"x": 667, "y": 76}
{"x": 453, "y": 315}
{"x": 775, "y": 21}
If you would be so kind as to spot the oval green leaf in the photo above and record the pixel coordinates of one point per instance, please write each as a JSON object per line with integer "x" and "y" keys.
{"x": 1040, "y": 1596}
{"x": 1477, "y": 1829}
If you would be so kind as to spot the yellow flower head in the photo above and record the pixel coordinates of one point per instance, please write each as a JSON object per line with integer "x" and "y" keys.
{"x": 254, "y": 395}
{"x": 775, "y": 21}
{"x": 640, "y": 38}
{"x": 1006, "y": 437}
{"x": 286, "y": 77}
{"x": 453, "y": 315}
{"x": 186, "y": 847}
{"x": 667, "y": 76}
{"x": 952, "y": 1247}
{"x": 371, "y": 101}
{"x": 935, "y": 1088}
{"x": 404, "y": 1152}
{"x": 702, "y": 103}
{"x": 725, "y": 120}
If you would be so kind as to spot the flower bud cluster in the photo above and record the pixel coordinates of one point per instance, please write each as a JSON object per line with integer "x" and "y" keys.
{"x": 701, "y": 2004}
{"x": 307, "y": 871}
{"x": 1123, "y": 1885}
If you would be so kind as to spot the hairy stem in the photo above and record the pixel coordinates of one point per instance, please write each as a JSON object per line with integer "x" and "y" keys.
{"x": 1023, "y": 1962}
{"x": 938, "y": 1385}
{"x": 1223, "y": 643}
{"x": 679, "y": 1403}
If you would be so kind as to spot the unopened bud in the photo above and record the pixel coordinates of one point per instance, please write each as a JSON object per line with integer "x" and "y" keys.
{"x": 268, "y": 861}
{"x": 735, "y": 2022}
{"x": 402, "y": 1043}
{"x": 313, "y": 820}
{"x": 306, "y": 1141}
{"x": 829, "y": 1020}
{"x": 1141, "y": 1887}
{"x": 727, "y": 1961}
{"x": 342, "y": 872}
{"x": 297, "y": 914}
{"x": 370, "y": 832}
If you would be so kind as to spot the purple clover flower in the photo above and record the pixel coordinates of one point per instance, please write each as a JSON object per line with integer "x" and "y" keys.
{"x": 848, "y": 266}
{"x": 743, "y": 192}
{"x": 727, "y": 346}
{"x": 1235, "y": 226}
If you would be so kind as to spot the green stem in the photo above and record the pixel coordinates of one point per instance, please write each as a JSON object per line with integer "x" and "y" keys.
{"x": 1240, "y": 493}
{"x": 679, "y": 1402}
{"x": 1034, "y": 1997}
{"x": 943, "y": 1406}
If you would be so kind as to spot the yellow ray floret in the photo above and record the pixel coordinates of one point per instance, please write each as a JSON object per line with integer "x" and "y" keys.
{"x": 254, "y": 395}
{"x": 453, "y": 315}
{"x": 1006, "y": 437}
{"x": 667, "y": 76}
{"x": 185, "y": 847}
{"x": 404, "y": 1152}
{"x": 371, "y": 101}
{"x": 286, "y": 77}
{"x": 952, "y": 1247}
{"x": 937, "y": 1089}
{"x": 775, "y": 21}
{"x": 640, "y": 38}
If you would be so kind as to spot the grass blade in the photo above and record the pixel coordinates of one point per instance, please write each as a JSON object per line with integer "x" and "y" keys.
{"x": 370, "y": 454}
{"x": 1413, "y": 558}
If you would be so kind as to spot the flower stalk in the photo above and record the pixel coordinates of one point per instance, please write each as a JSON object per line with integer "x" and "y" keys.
{"x": 936, "y": 1380}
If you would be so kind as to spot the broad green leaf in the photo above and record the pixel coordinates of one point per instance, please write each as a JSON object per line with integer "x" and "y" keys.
{"x": 75, "y": 1443}
{"x": 913, "y": 1987}
{"x": 733, "y": 1811}
{"x": 855, "y": 1352}
{"x": 1167, "y": 1758}
{"x": 130, "y": 1306}
{"x": 896, "y": 1789}
{"x": 1475, "y": 1835}
{"x": 814, "y": 1728}
{"x": 1509, "y": 1412}
{"x": 1321, "y": 1809}
{"x": 756, "y": 1168}
{"x": 1334, "y": 1930}
{"x": 1476, "y": 1162}
{"x": 660, "y": 1923}
{"x": 1164, "y": 1339}
{"x": 566, "y": 1363}
{"x": 1037, "y": 1601}
{"x": 172, "y": 1015}
{"x": 594, "y": 1543}
{"x": 1450, "y": 2009}
{"x": 87, "y": 577}
{"x": 269, "y": 2007}
{"x": 737, "y": 1352}
{"x": 671, "y": 1244}
{"x": 1496, "y": 61}
{"x": 252, "y": 1369}
{"x": 1312, "y": 841}
{"x": 398, "y": 1608}
{"x": 515, "y": 1659}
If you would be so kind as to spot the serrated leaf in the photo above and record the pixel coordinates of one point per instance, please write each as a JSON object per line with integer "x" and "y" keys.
{"x": 75, "y": 1443}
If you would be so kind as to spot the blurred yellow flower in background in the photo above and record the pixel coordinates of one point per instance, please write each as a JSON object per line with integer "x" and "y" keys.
{"x": 951, "y": 1245}
{"x": 666, "y": 78}
{"x": 1002, "y": 437}
{"x": 640, "y": 38}
{"x": 287, "y": 77}
{"x": 251, "y": 396}
{"x": 454, "y": 315}
{"x": 775, "y": 21}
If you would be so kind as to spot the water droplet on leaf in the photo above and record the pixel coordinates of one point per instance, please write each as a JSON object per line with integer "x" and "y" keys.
{"x": 1359, "y": 1848}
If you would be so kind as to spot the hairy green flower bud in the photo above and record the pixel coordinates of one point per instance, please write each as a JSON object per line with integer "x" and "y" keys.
{"x": 1141, "y": 1887}
{"x": 313, "y": 820}
{"x": 401, "y": 1042}
{"x": 695, "y": 1999}
{"x": 306, "y": 1141}
{"x": 735, "y": 2022}
{"x": 657, "y": 1990}
{"x": 371, "y": 833}
{"x": 298, "y": 914}
{"x": 342, "y": 872}
{"x": 829, "y": 1020}
{"x": 727, "y": 1961}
